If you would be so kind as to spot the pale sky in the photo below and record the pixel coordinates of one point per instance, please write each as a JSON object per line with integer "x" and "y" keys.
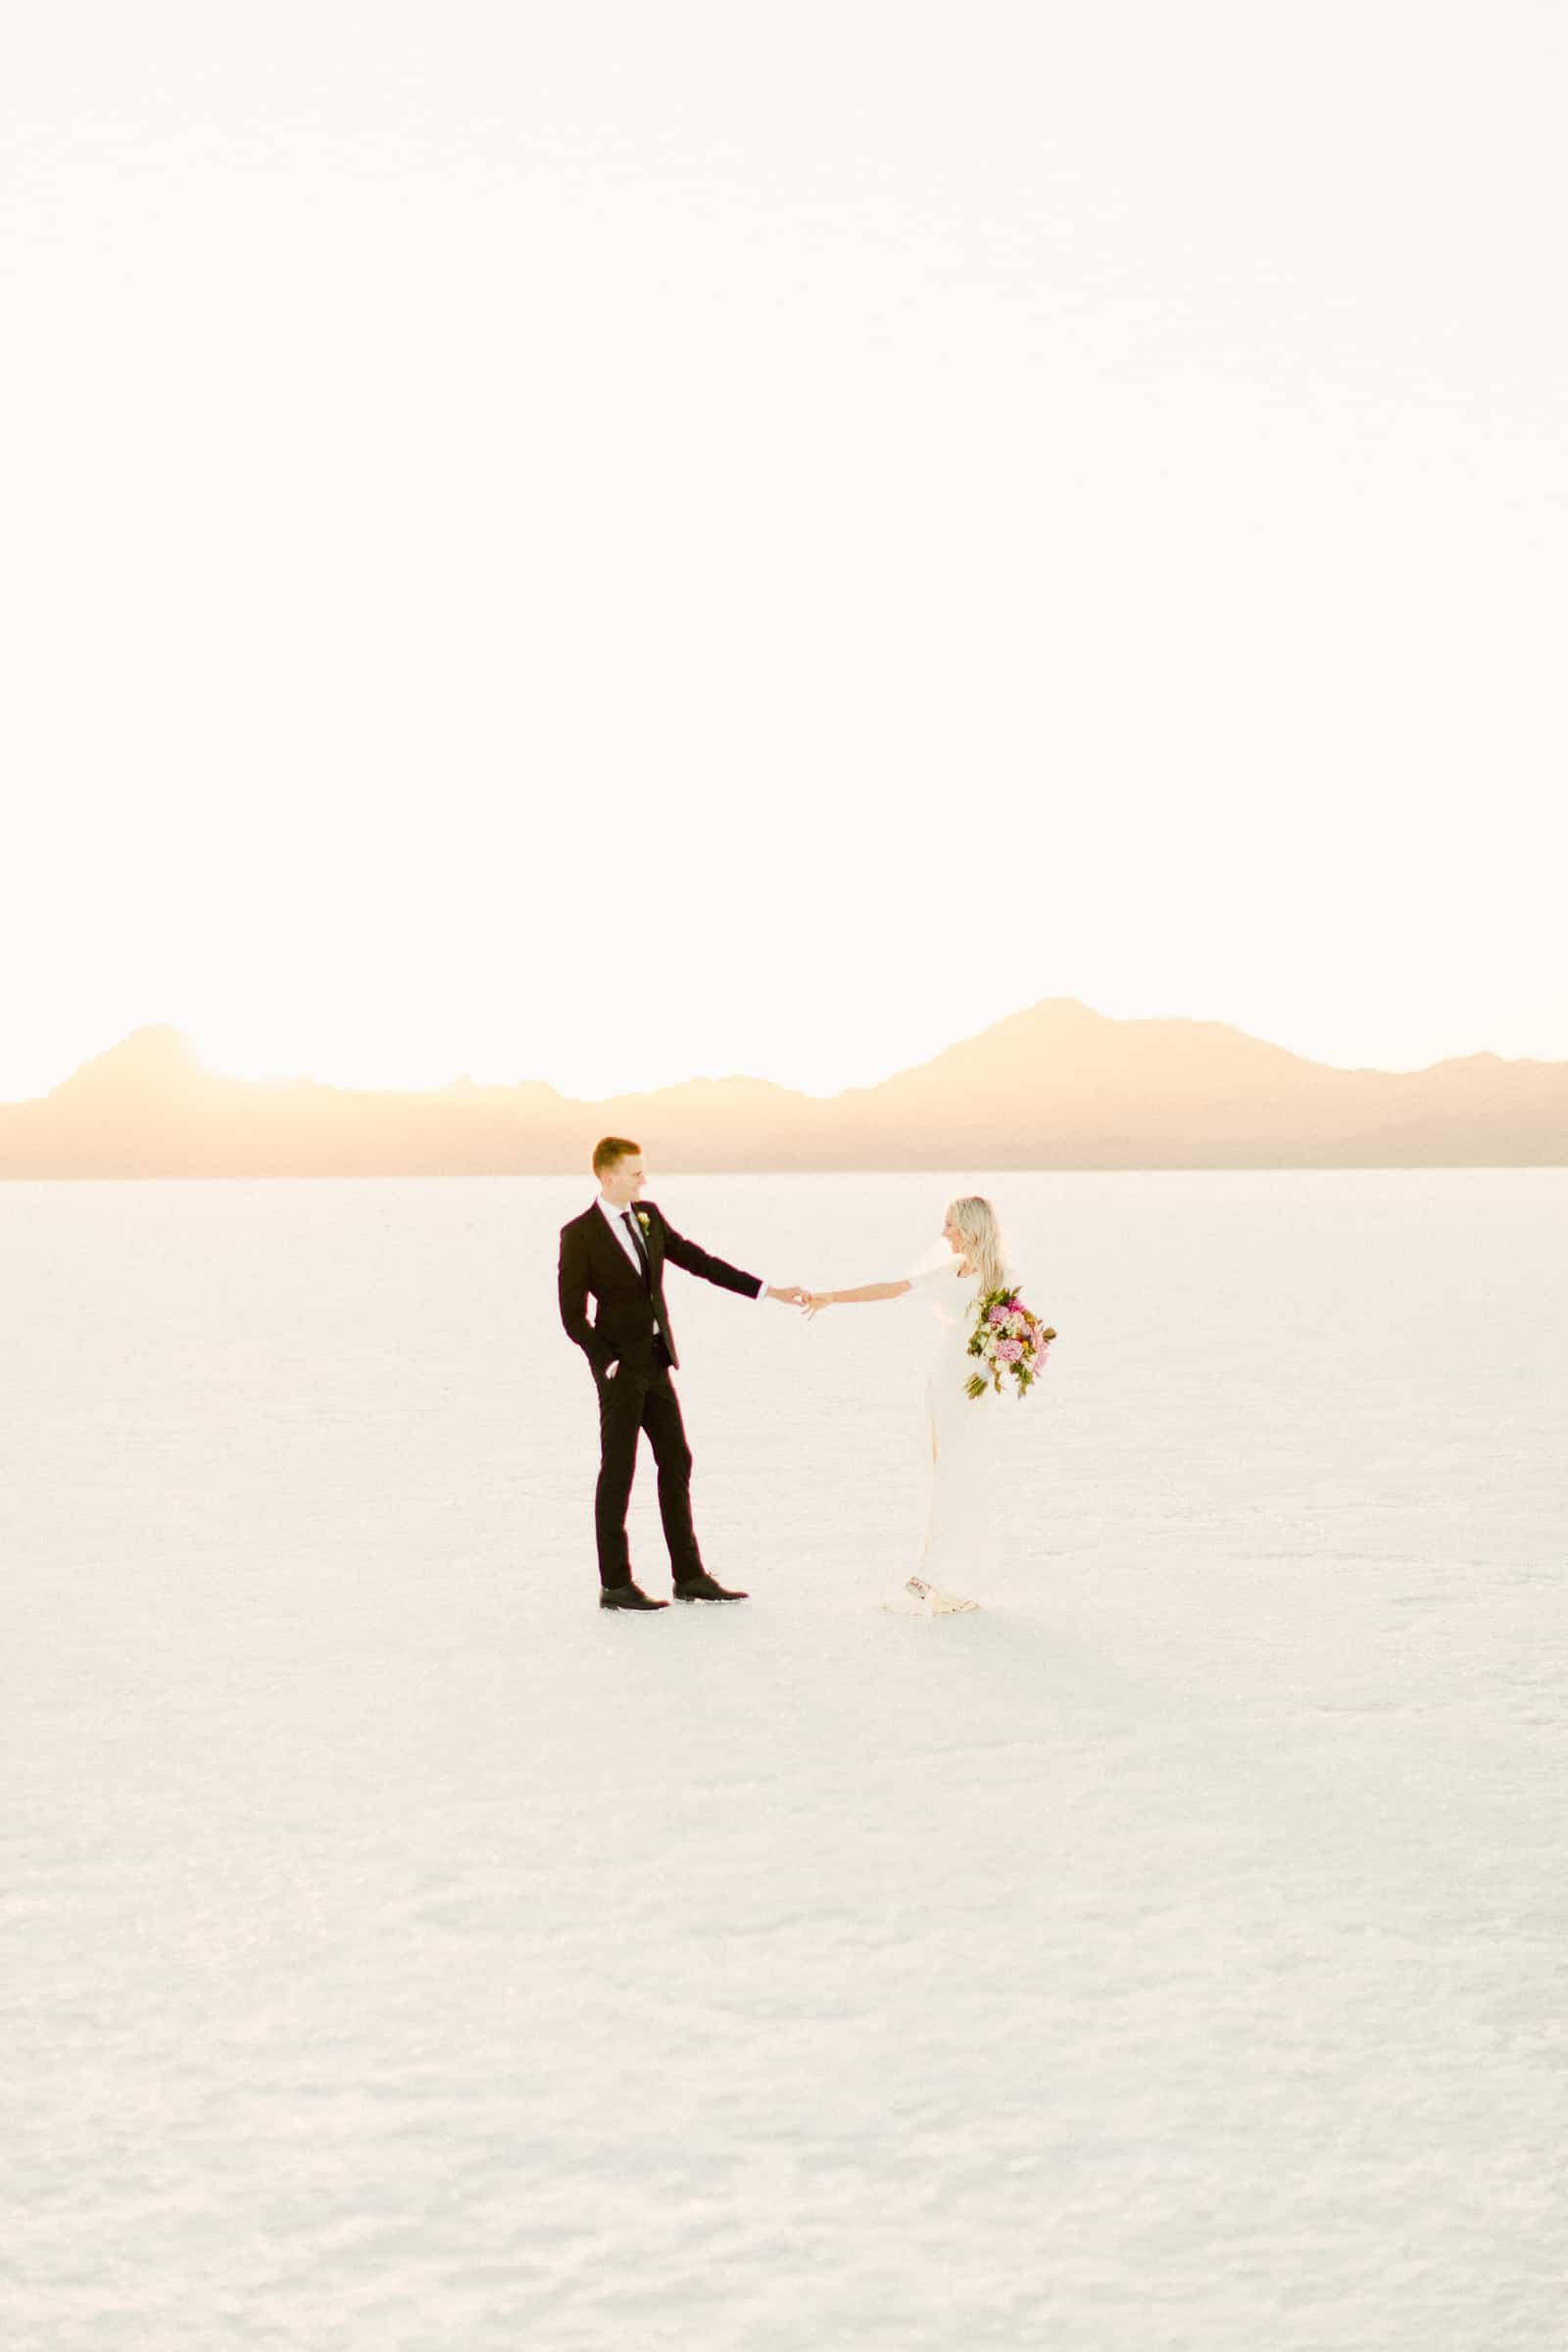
{"x": 624, "y": 543}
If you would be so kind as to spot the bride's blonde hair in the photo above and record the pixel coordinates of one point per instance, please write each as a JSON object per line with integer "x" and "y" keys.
{"x": 976, "y": 1220}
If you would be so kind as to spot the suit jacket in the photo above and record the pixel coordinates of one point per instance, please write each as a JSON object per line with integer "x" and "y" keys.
{"x": 628, "y": 1315}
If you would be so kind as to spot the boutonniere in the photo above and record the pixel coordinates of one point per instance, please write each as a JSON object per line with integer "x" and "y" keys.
{"x": 644, "y": 1221}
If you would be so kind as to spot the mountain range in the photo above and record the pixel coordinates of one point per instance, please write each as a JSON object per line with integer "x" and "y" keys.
{"x": 1058, "y": 1086}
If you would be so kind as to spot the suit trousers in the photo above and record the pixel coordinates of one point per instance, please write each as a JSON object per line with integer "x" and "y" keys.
{"x": 629, "y": 1403}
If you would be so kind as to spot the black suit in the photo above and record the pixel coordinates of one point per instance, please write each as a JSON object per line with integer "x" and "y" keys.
{"x": 631, "y": 1329}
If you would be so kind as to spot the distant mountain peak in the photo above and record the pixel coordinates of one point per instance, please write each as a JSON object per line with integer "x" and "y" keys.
{"x": 152, "y": 1059}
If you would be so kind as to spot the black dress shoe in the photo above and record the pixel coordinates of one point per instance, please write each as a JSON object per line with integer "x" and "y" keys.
{"x": 702, "y": 1587}
{"x": 627, "y": 1596}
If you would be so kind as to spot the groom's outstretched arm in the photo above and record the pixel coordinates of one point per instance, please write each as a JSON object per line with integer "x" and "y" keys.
{"x": 573, "y": 1285}
{"x": 693, "y": 1260}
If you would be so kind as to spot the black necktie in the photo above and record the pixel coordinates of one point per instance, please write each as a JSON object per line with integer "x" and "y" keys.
{"x": 640, "y": 1247}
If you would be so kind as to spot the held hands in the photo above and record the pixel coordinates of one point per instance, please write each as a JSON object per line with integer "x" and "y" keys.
{"x": 810, "y": 1302}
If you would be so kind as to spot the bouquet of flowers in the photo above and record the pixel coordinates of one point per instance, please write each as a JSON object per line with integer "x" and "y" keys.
{"x": 1010, "y": 1343}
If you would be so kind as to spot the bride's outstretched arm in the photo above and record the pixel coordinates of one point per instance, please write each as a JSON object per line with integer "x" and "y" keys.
{"x": 815, "y": 1300}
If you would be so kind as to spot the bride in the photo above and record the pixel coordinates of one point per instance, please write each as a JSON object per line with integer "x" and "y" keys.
{"x": 957, "y": 1427}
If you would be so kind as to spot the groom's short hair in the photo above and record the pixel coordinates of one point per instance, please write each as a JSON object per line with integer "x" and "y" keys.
{"x": 609, "y": 1150}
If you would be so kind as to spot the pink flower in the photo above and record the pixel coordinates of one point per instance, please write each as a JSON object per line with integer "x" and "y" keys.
{"x": 997, "y": 1315}
{"x": 1010, "y": 1351}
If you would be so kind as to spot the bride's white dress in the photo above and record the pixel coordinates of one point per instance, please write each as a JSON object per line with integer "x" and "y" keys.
{"x": 957, "y": 1447}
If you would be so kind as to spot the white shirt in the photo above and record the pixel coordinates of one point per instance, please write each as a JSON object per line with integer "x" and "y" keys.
{"x": 613, "y": 1217}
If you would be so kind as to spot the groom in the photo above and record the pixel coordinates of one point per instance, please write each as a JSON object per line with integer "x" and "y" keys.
{"x": 615, "y": 1251}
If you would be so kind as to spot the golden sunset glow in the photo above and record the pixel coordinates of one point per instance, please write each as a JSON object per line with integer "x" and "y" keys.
{"x": 601, "y": 590}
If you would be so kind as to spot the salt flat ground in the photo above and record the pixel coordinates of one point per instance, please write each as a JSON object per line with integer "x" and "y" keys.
{"x": 401, "y": 1954}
